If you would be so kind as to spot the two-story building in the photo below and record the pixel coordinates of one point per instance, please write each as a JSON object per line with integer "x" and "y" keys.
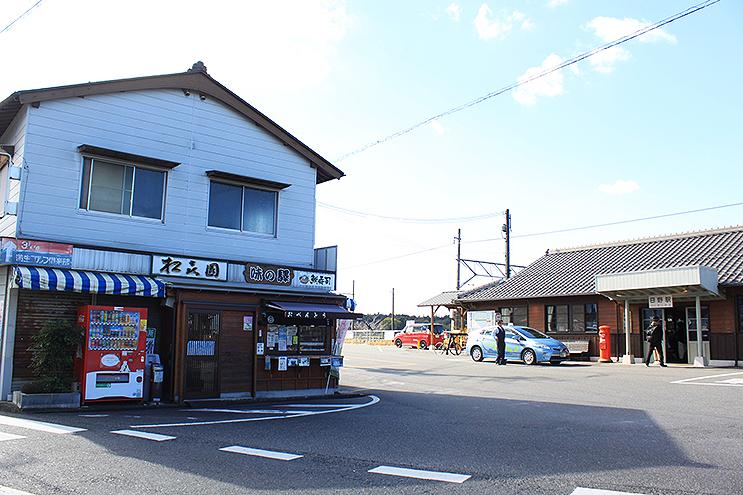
{"x": 172, "y": 194}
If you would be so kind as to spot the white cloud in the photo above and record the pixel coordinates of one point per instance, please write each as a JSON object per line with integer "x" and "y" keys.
{"x": 489, "y": 26}
{"x": 610, "y": 29}
{"x": 547, "y": 85}
{"x": 438, "y": 127}
{"x": 619, "y": 187}
{"x": 454, "y": 10}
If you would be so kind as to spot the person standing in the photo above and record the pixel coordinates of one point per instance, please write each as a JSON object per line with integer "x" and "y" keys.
{"x": 655, "y": 338}
{"x": 500, "y": 339}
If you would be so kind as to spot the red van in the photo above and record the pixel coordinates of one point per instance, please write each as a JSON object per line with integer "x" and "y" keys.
{"x": 419, "y": 335}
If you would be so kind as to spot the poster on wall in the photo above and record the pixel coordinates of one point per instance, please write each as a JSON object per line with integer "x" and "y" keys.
{"x": 259, "y": 350}
{"x": 282, "y": 363}
{"x": 247, "y": 323}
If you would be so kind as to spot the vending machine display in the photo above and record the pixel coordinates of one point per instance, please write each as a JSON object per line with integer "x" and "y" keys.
{"x": 112, "y": 363}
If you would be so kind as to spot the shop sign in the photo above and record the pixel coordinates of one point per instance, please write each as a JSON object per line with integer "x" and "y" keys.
{"x": 37, "y": 253}
{"x": 256, "y": 273}
{"x": 174, "y": 266}
{"x": 660, "y": 301}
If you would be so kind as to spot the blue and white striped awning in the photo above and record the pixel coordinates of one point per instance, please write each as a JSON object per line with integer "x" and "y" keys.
{"x": 37, "y": 278}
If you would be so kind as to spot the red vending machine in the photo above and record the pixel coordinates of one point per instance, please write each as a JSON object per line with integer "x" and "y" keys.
{"x": 113, "y": 360}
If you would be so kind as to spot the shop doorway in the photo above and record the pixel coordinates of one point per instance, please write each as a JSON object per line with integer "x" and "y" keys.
{"x": 675, "y": 327}
{"x": 202, "y": 355}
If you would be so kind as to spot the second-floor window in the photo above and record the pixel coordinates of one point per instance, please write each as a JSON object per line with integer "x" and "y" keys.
{"x": 121, "y": 188}
{"x": 242, "y": 208}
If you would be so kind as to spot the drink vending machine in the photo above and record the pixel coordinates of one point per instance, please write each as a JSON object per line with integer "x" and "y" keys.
{"x": 112, "y": 364}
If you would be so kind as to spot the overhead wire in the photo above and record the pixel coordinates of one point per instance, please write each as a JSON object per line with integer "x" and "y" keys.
{"x": 523, "y": 81}
{"x": 21, "y": 16}
{"x": 573, "y": 229}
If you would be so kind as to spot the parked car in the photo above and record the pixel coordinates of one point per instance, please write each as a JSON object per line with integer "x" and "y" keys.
{"x": 522, "y": 344}
{"x": 419, "y": 335}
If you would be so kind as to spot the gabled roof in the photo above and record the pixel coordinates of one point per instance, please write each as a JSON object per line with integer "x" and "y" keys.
{"x": 444, "y": 299}
{"x": 195, "y": 80}
{"x": 571, "y": 272}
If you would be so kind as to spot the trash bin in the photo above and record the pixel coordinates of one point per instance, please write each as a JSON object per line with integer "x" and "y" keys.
{"x": 156, "y": 387}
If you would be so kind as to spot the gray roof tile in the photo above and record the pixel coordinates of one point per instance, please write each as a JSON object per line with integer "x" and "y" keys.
{"x": 566, "y": 272}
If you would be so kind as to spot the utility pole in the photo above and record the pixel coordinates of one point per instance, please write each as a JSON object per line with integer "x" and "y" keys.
{"x": 507, "y": 230}
{"x": 392, "y": 323}
{"x": 459, "y": 254}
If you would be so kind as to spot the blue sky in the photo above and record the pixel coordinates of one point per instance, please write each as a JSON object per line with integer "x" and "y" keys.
{"x": 650, "y": 128}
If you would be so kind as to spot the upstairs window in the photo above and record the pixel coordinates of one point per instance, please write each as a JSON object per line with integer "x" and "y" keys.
{"x": 243, "y": 203}
{"x": 123, "y": 188}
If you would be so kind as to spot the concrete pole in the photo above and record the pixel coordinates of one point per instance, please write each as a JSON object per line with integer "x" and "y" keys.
{"x": 701, "y": 359}
{"x": 627, "y": 358}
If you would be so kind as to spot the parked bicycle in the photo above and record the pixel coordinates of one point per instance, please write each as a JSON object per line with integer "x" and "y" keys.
{"x": 450, "y": 345}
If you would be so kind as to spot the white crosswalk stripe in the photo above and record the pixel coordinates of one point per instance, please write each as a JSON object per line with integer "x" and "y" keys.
{"x": 144, "y": 434}
{"x": 282, "y": 456}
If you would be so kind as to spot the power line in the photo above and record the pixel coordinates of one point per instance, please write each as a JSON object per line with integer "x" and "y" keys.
{"x": 21, "y": 16}
{"x": 545, "y": 72}
{"x": 475, "y": 218}
{"x": 655, "y": 217}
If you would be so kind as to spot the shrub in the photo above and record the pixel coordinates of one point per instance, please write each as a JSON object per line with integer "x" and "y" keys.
{"x": 53, "y": 360}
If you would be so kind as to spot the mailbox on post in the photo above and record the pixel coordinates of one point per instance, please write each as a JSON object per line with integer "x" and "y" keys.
{"x": 605, "y": 344}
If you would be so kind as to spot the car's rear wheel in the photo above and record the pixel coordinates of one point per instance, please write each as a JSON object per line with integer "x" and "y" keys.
{"x": 398, "y": 342}
{"x": 476, "y": 354}
{"x": 529, "y": 357}
{"x": 422, "y": 345}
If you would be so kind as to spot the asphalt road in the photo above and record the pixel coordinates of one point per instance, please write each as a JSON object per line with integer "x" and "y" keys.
{"x": 476, "y": 427}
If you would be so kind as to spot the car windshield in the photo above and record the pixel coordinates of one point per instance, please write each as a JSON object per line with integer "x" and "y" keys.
{"x": 534, "y": 334}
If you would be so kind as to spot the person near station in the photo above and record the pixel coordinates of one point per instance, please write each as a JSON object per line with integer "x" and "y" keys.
{"x": 655, "y": 339}
{"x": 499, "y": 333}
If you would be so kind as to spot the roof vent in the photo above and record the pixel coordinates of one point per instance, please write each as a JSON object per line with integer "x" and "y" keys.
{"x": 198, "y": 67}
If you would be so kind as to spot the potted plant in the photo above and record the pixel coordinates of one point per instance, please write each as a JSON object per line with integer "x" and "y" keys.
{"x": 53, "y": 364}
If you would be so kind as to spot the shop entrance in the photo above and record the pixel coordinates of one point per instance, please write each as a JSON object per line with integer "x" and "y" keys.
{"x": 202, "y": 355}
{"x": 675, "y": 326}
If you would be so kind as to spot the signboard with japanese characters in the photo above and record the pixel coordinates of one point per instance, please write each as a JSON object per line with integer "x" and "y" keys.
{"x": 36, "y": 253}
{"x": 256, "y": 273}
{"x": 174, "y": 266}
{"x": 660, "y": 301}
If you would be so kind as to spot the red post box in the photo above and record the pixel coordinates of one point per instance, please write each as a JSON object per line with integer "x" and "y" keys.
{"x": 604, "y": 344}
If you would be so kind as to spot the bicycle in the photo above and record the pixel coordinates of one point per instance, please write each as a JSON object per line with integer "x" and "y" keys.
{"x": 449, "y": 345}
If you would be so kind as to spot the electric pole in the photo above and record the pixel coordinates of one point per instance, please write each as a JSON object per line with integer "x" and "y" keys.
{"x": 507, "y": 230}
{"x": 459, "y": 254}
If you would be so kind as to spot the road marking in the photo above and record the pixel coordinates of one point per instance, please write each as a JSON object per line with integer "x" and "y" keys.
{"x": 9, "y": 436}
{"x": 732, "y": 382}
{"x": 419, "y": 474}
{"x": 9, "y": 491}
{"x": 283, "y": 415}
{"x": 282, "y": 456}
{"x": 591, "y": 491}
{"x": 38, "y": 425}
{"x": 143, "y": 434}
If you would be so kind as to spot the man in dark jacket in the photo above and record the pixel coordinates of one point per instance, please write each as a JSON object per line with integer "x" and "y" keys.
{"x": 500, "y": 338}
{"x": 655, "y": 338}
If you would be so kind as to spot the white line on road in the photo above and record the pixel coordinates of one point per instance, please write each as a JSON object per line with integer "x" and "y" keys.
{"x": 720, "y": 383}
{"x": 282, "y": 456}
{"x": 289, "y": 414}
{"x": 38, "y": 425}
{"x": 591, "y": 491}
{"x": 419, "y": 474}
{"x": 4, "y": 490}
{"x": 145, "y": 435}
{"x": 9, "y": 436}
